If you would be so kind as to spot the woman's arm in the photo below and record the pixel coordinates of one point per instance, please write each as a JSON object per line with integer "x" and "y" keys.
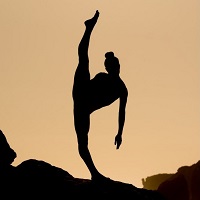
{"x": 121, "y": 118}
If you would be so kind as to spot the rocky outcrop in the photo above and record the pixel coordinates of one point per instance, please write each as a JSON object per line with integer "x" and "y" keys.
{"x": 153, "y": 182}
{"x": 7, "y": 154}
{"x": 37, "y": 179}
{"x": 183, "y": 185}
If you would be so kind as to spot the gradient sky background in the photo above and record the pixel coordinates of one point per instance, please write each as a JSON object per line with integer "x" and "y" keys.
{"x": 157, "y": 43}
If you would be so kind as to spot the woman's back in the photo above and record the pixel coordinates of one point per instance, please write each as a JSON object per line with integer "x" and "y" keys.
{"x": 104, "y": 89}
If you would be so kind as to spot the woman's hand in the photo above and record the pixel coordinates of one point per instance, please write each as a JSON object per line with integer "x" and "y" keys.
{"x": 118, "y": 140}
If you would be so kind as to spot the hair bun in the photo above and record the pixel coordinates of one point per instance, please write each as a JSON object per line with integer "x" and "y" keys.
{"x": 109, "y": 55}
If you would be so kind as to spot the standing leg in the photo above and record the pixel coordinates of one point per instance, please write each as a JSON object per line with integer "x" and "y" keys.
{"x": 82, "y": 124}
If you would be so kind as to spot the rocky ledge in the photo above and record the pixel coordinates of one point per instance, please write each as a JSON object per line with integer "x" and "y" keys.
{"x": 40, "y": 180}
{"x": 37, "y": 179}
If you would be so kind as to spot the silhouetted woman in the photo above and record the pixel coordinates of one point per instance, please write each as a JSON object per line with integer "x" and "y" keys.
{"x": 92, "y": 94}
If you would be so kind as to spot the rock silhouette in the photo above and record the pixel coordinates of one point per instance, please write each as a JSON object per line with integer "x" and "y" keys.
{"x": 7, "y": 154}
{"x": 153, "y": 182}
{"x": 37, "y": 179}
{"x": 183, "y": 185}
{"x": 40, "y": 180}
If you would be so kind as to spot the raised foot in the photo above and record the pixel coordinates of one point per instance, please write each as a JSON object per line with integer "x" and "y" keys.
{"x": 91, "y": 22}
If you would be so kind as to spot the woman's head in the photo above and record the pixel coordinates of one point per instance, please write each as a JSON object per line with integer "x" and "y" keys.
{"x": 112, "y": 63}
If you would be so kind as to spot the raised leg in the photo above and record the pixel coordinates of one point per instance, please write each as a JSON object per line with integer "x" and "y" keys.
{"x": 84, "y": 43}
{"x": 82, "y": 74}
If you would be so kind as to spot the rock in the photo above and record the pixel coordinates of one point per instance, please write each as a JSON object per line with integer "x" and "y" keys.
{"x": 35, "y": 179}
{"x": 175, "y": 188}
{"x": 183, "y": 185}
{"x": 7, "y": 154}
{"x": 153, "y": 182}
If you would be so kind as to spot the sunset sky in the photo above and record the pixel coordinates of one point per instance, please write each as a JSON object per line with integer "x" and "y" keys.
{"x": 158, "y": 46}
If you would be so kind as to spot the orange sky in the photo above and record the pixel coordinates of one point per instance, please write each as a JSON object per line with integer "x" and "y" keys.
{"x": 157, "y": 43}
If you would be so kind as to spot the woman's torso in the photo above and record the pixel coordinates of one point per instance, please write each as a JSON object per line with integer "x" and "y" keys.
{"x": 104, "y": 89}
